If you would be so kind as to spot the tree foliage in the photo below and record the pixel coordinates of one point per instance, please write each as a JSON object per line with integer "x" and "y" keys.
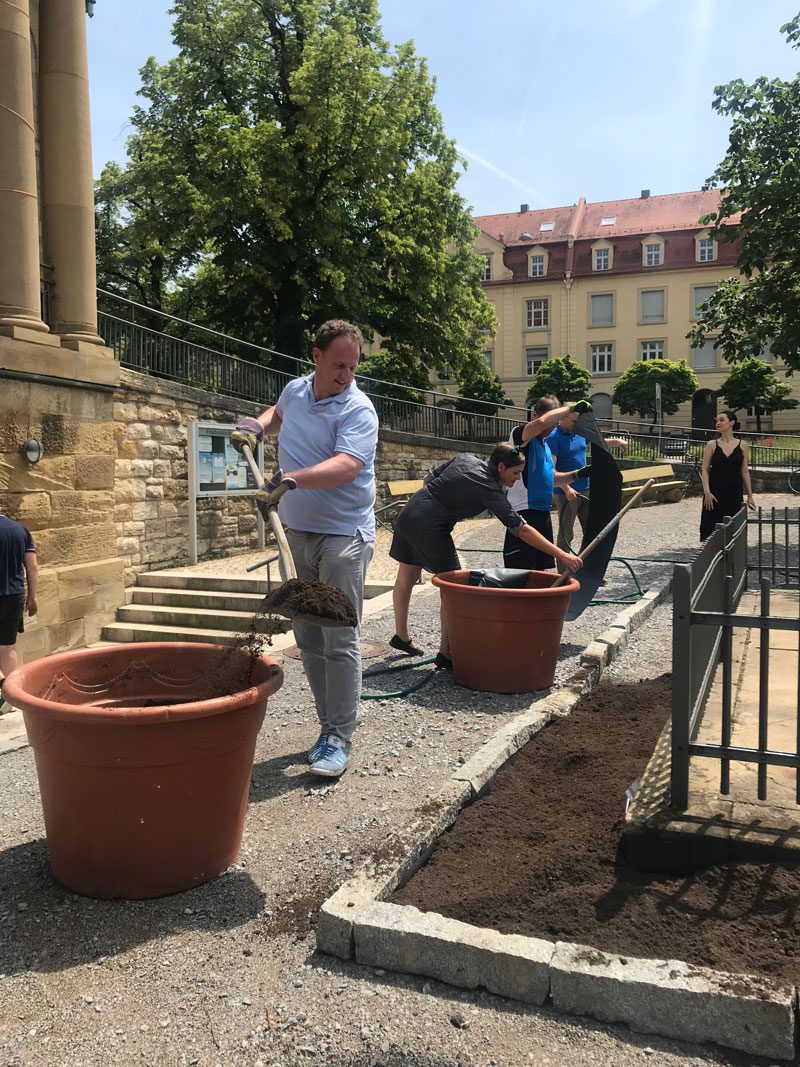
{"x": 760, "y": 207}
{"x": 753, "y": 383}
{"x": 562, "y": 377}
{"x": 635, "y": 391}
{"x": 297, "y": 170}
{"x": 480, "y": 390}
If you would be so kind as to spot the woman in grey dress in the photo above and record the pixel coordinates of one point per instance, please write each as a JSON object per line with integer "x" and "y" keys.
{"x": 461, "y": 488}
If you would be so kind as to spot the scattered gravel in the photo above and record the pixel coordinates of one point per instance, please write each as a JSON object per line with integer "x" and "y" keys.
{"x": 227, "y": 974}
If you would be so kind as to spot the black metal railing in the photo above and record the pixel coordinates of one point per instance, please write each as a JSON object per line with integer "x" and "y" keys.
{"x": 687, "y": 450}
{"x": 706, "y": 595}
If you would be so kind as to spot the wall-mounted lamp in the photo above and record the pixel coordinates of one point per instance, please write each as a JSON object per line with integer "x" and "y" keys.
{"x": 32, "y": 450}
{"x": 90, "y": 8}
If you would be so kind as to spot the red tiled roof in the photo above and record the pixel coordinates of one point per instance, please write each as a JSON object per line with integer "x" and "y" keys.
{"x": 654, "y": 214}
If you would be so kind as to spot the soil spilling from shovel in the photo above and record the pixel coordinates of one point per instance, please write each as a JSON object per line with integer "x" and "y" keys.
{"x": 540, "y": 856}
{"x": 313, "y": 600}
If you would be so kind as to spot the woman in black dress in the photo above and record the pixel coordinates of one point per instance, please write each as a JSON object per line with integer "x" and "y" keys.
{"x": 725, "y": 475}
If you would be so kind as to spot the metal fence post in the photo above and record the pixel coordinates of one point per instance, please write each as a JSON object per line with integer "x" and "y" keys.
{"x": 681, "y": 684}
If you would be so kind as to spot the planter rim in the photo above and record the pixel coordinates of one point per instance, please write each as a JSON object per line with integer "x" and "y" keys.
{"x": 133, "y": 715}
{"x": 566, "y": 587}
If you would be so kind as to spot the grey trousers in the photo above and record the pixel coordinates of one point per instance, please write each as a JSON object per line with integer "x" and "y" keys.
{"x": 567, "y": 511}
{"x": 332, "y": 655}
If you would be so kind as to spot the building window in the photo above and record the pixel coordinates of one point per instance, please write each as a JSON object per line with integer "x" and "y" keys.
{"x": 602, "y": 358}
{"x": 534, "y": 358}
{"x": 603, "y": 408}
{"x": 488, "y": 355}
{"x": 765, "y": 354}
{"x": 651, "y": 350}
{"x": 487, "y": 269}
{"x": 704, "y": 357}
{"x": 701, "y": 293}
{"x": 537, "y": 265}
{"x": 537, "y": 314}
{"x": 653, "y": 305}
{"x": 705, "y": 248}
{"x": 608, "y": 220}
{"x": 601, "y": 309}
{"x": 546, "y": 226}
{"x": 652, "y": 255}
{"x": 602, "y": 259}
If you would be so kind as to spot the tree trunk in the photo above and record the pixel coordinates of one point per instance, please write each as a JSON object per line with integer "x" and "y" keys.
{"x": 290, "y": 338}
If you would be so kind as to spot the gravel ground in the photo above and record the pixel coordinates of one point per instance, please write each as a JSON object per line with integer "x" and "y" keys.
{"x": 228, "y": 973}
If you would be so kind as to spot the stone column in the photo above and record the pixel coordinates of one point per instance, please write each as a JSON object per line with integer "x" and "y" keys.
{"x": 67, "y": 180}
{"x": 20, "y": 307}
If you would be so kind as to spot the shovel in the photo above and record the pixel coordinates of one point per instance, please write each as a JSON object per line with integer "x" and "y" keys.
{"x": 300, "y": 600}
{"x": 605, "y": 531}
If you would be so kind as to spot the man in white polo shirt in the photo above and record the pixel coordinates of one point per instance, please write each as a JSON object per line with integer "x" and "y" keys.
{"x": 327, "y": 435}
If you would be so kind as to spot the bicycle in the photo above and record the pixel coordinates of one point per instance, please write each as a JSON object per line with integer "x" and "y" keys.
{"x": 794, "y": 479}
{"x": 694, "y": 481}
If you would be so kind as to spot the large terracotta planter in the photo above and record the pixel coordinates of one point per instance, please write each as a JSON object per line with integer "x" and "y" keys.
{"x": 144, "y": 787}
{"x": 504, "y": 640}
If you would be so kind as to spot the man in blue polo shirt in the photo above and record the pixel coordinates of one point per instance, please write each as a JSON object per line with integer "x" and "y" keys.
{"x": 569, "y": 453}
{"x": 327, "y": 436}
{"x": 17, "y": 563}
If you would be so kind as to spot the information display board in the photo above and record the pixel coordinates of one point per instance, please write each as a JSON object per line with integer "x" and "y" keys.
{"x": 217, "y": 469}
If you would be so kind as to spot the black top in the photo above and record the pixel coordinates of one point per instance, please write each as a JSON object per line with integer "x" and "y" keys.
{"x": 15, "y": 541}
{"x": 465, "y": 486}
{"x": 725, "y": 472}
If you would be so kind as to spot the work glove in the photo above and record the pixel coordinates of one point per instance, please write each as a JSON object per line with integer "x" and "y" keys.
{"x": 247, "y": 432}
{"x": 273, "y": 490}
{"x": 580, "y": 406}
{"x": 583, "y": 472}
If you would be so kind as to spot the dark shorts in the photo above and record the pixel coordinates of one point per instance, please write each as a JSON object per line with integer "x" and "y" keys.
{"x": 12, "y": 610}
{"x": 423, "y": 537}
{"x": 516, "y": 553}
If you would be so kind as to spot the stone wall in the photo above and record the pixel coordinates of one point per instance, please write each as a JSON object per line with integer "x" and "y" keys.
{"x": 66, "y": 500}
{"x": 151, "y": 495}
{"x": 402, "y": 455}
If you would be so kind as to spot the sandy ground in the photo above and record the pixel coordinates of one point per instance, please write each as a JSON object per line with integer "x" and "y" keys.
{"x": 228, "y": 974}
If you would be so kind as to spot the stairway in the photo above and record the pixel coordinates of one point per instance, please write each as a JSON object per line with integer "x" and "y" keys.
{"x": 177, "y": 606}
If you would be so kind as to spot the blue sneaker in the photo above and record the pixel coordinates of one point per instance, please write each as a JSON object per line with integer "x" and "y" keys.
{"x": 332, "y": 759}
{"x": 317, "y": 747}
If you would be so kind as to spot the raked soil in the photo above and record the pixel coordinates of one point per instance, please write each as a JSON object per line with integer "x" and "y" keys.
{"x": 540, "y": 855}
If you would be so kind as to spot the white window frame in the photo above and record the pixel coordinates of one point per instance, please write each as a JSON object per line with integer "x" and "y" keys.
{"x": 652, "y": 254}
{"x": 701, "y": 242}
{"x": 649, "y": 343}
{"x": 648, "y": 245}
{"x": 602, "y": 259}
{"x": 540, "y": 256}
{"x": 531, "y": 311}
{"x": 600, "y": 246}
{"x": 645, "y": 320}
{"x": 486, "y": 276}
{"x": 602, "y": 325}
{"x": 532, "y": 363}
{"x": 607, "y": 357}
{"x": 608, "y": 220}
{"x": 713, "y": 287}
{"x": 546, "y": 226}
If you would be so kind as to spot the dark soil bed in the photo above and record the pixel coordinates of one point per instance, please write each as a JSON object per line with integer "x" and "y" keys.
{"x": 540, "y": 855}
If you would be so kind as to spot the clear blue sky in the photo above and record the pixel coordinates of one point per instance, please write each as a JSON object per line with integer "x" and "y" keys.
{"x": 547, "y": 101}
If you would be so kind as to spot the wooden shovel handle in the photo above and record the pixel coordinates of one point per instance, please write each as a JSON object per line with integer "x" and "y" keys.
{"x": 285, "y": 558}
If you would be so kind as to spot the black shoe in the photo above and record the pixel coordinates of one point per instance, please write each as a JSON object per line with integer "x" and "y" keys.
{"x": 408, "y": 647}
{"x": 443, "y": 662}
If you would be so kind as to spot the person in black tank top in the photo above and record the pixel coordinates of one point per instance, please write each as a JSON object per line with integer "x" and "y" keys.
{"x": 725, "y": 475}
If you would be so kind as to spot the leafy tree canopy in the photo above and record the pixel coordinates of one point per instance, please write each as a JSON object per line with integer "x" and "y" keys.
{"x": 761, "y": 177}
{"x": 635, "y": 391}
{"x": 562, "y": 377}
{"x": 753, "y": 383}
{"x": 297, "y": 170}
{"x": 480, "y": 390}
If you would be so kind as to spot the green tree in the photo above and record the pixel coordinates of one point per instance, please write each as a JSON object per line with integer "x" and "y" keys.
{"x": 318, "y": 178}
{"x": 562, "y": 377}
{"x": 480, "y": 390}
{"x": 635, "y": 391}
{"x": 753, "y": 383}
{"x": 760, "y": 207}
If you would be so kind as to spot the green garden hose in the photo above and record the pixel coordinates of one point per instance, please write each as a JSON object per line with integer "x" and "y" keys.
{"x": 373, "y": 672}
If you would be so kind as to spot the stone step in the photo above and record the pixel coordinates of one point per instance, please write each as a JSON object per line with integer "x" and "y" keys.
{"x": 137, "y": 631}
{"x": 218, "y": 619}
{"x": 211, "y": 582}
{"x": 198, "y": 599}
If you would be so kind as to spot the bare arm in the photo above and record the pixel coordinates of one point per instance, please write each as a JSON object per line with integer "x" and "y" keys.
{"x": 340, "y": 469}
{"x": 708, "y": 451}
{"x": 748, "y": 488}
{"x": 536, "y": 540}
{"x": 271, "y": 421}
{"x": 620, "y": 442}
{"x": 543, "y": 423}
{"x": 31, "y": 577}
{"x": 565, "y": 477}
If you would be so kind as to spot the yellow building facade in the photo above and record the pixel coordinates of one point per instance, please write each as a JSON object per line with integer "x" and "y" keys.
{"x": 608, "y": 283}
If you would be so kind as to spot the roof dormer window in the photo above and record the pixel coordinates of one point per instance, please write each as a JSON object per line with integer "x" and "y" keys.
{"x": 608, "y": 220}
{"x": 547, "y": 226}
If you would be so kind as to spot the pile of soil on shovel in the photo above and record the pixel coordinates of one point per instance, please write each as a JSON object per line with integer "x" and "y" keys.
{"x": 540, "y": 856}
{"x": 311, "y": 598}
